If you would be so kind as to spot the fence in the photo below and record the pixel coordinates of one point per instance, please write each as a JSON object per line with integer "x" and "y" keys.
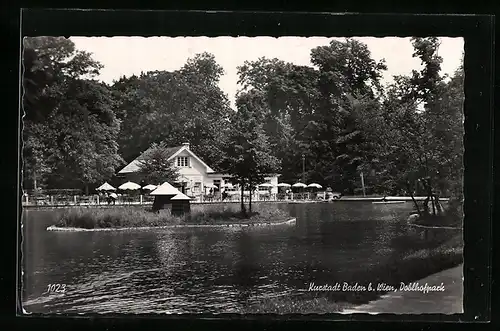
{"x": 99, "y": 200}
{"x": 83, "y": 200}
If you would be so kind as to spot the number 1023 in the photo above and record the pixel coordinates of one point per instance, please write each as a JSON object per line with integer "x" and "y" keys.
{"x": 56, "y": 288}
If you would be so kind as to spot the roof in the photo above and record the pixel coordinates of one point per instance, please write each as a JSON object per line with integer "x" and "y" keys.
{"x": 134, "y": 166}
{"x": 219, "y": 174}
{"x": 181, "y": 196}
{"x": 165, "y": 189}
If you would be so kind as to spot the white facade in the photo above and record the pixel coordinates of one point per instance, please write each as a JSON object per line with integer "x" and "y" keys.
{"x": 196, "y": 175}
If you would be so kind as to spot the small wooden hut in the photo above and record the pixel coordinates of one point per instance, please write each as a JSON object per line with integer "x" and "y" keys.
{"x": 163, "y": 195}
{"x": 168, "y": 197}
{"x": 180, "y": 204}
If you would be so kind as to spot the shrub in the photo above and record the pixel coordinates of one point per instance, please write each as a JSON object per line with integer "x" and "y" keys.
{"x": 90, "y": 218}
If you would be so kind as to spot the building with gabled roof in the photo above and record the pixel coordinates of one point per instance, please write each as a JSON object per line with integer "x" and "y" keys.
{"x": 194, "y": 174}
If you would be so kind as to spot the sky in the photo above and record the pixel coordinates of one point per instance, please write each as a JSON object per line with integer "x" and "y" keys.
{"x": 125, "y": 56}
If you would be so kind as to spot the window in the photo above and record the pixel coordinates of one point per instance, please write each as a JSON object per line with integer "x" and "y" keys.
{"x": 197, "y": 187}
{"x": 182, "y": 161}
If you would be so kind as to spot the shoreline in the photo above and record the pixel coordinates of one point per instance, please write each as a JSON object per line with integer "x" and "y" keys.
{"x": 399, "y": 302}
{"x": 232, "y": 225}
{"x": 415, "y": 268}
{"x": 138, "y": 204}
{"x": 436, "y": 227}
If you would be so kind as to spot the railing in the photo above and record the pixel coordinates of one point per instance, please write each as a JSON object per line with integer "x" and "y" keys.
{"x": 82, "y": 200}
{"x": 99, "y": 200}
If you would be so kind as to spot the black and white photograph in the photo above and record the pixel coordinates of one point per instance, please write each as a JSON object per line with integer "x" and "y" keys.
{"x": 247, "y": 175}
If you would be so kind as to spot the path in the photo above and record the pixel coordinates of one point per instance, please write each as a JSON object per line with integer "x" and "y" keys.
{"x": 450, "y": 301}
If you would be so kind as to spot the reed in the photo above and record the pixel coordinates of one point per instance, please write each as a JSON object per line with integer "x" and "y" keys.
{"x": 92, "y": 218}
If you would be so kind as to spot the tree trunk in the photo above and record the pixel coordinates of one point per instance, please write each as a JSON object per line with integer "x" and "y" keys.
{"x": 35, "y": 191}
{"x": 428, "y": 197}
{"x": 426, "y": 206}
{"x": 413, "y": 198}
{"x": 243, "y": 211}
{"x": 433, "y": 205}
{"x": 250, "y": 198}
{"x": 431, "y": 196}
{"x": 439, "y": 207}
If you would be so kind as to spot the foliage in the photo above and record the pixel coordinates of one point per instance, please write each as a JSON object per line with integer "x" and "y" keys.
{"x": 248, "y": 156}
{"x": 405, "y": 138}
{"x": 46, "y": 61}
{"x": 70, "y": 128}
{"x": 96, "y": 218}
{"x": 424, "y": 121}
{"x": 186, "y": 105}
{"x": 229, "y": 216}
{"x": 155, "y": 166}
{"x": 347, "y": 67}
{"x": 290, "y": 95}
{"x": 312, "y": 108}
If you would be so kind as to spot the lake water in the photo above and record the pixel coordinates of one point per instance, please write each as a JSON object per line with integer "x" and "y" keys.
{"x": 210, "y": 270}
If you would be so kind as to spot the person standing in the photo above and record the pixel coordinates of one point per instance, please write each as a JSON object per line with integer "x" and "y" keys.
{"x": 113, "y": 197}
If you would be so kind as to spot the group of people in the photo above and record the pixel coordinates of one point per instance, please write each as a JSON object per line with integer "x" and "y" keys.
{"x": 111, "y": 197}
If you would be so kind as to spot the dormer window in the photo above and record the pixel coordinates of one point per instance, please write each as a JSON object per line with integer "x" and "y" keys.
{"x": 182, "y": 161}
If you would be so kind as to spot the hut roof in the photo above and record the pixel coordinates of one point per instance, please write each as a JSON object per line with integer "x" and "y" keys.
{"x": 165, "y": 189}
{"x": 181, "y": 196}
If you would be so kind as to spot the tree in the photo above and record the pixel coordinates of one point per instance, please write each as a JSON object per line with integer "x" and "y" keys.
{"x": 70, "y": 127}
{"x": 347, "y": 66}
{"x": 46, "y": 61}
{"x": 248, "y": 156}
{"x": 155, "y": 166}
{"x": 186, "y": 105}
{"x": 333, "y": 137}
{"x": 308, "y": 110}
{"x": 80, "y": 145}
{"x": 290, "y": 94}
{"x": 424, "y": 121}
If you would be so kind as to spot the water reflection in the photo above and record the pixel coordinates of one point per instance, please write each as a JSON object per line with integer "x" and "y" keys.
{"x": 211, "y": 270}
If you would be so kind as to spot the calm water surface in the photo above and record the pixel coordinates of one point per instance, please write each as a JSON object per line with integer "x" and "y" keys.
{"x": 210, "y": 270}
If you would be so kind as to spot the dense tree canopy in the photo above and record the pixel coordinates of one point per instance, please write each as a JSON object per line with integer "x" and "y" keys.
{"x": 70, "y": 128}
{"x": 174, "y": 107}
{"x": 248, "y": 154}
{"x": 405, "y": 138}
{"x": 155, "y": 167}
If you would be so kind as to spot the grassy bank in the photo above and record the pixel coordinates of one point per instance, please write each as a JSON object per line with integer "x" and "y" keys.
{"x": 411, "y": 267}
{"x": 452, "y": 217}
{"x": 294, "y": 305}
{"x": 94, "y": 218}
{"x": 449, "y": 220}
